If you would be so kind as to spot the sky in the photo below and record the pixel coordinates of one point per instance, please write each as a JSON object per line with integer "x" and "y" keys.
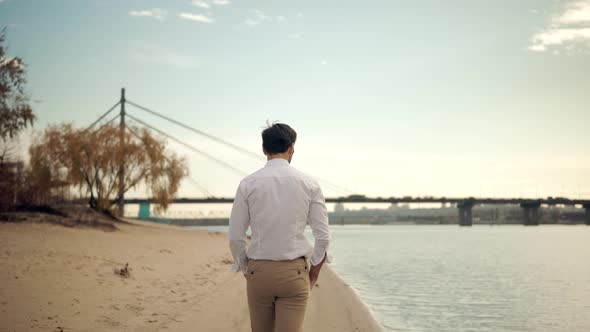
{"x": 389, "y": 98}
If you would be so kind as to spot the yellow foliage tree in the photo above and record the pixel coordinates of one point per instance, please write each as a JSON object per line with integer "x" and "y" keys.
{"x": 90, "y": 160}
{"x": 15, "y": 112}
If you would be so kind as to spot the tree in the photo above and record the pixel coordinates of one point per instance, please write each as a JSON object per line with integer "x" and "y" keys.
{"x": 15, "y": 115}
{"x": 15, "y": 111}
{"x": 89, "y": 160}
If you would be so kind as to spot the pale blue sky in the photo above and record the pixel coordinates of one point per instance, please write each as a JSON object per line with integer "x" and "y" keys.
{"x": 389, "y": 97}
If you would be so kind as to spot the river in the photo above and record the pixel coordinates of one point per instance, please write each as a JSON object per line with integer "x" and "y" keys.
{"x": 458, "y": 279}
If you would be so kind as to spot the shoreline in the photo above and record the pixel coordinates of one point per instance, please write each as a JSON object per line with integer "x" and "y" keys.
{"x": 62, "y": 279}
{"x": 372, "y": 324}
{"x": 224, "y": 222}
{"x": 334, "y": 278}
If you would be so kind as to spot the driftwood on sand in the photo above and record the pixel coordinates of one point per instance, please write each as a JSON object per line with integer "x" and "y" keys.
{"x": 124, "y": 272}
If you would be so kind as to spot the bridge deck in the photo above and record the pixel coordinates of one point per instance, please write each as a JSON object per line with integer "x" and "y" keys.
{"x": 547, "y": 201}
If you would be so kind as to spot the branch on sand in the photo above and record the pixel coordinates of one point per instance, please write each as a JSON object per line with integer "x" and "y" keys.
{"x": 124, "y": 272}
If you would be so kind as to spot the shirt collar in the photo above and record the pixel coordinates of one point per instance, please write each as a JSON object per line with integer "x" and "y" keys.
{"x": 277, "y": 162}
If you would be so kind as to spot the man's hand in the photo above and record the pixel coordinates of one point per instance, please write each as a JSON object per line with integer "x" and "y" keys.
{"x": 314, "y": 272}
{"x": 313, "y": 278}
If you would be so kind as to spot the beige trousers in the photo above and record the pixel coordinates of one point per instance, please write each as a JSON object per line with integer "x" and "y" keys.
{"x": 277, "y": 294}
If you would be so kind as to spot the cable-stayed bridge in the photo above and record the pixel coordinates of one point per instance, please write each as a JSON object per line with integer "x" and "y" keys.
{"x": 464, "y": 205}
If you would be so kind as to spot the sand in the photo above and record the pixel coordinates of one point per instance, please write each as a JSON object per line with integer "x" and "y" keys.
{"x": 55, "y": 278}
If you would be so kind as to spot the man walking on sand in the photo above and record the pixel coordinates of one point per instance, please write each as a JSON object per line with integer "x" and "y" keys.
{"x": 277, "y": 202}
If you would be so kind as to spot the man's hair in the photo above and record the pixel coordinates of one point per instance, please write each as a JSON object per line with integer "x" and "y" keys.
{"x": 278, "y": 137}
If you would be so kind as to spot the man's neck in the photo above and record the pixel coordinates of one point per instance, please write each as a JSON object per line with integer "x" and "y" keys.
{"x": 278, "y": 156}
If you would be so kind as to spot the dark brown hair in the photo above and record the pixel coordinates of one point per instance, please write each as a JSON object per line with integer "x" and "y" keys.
{"x": 278, "y": 137}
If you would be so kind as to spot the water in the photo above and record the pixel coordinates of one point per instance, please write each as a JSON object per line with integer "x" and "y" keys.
{"x": 482, "y": 278}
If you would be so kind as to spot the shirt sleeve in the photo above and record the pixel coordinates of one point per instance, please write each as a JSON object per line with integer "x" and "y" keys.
{"x": 238, "y": 225}
{"x": 318, "y": 221}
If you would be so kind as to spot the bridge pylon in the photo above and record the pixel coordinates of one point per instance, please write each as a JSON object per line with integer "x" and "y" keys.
{"x": 531, "y": 213}
{"x": 122, "y": 127}
{"x": 465, "y": 212}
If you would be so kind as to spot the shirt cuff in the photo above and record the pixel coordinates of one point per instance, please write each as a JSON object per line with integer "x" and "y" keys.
{"x": 320, "y": 250}
{"x": 237, "y": 266}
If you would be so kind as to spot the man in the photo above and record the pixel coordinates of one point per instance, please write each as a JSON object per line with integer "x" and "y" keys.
{"x": 277, "y": 202}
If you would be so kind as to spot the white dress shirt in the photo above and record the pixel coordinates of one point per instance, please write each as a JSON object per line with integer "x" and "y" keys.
{"x": 278, "y": 202}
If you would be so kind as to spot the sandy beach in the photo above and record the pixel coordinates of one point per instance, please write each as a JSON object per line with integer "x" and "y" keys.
{"x": 56, "y": 278}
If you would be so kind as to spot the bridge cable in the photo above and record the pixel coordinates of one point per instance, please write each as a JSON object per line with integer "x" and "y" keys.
{"x": 334, "y": 187}
{"x": 194, "y": 182}
{"x": 235, "y": 147}
{"x": 200, "y": 132}
{"x": 220, "y": 162}
{"x": 103, "y": 116}
{"x": 200, "y": 187}
{"x": 108, "y": 122}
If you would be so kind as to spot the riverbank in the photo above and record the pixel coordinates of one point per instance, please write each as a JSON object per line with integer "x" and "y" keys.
{"x": 67, "y": 279}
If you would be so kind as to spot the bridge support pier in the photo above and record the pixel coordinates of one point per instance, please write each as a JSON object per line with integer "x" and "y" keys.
{"x": 587, "y": 214}
{"x": 144, "y": 211}
{"x": 465, "y": 212}
{"x": 531, "y": 213}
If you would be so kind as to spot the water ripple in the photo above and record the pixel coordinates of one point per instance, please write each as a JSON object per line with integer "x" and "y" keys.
{"x": 446, "y": 278}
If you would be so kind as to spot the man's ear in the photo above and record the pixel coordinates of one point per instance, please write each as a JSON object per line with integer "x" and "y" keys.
{"x": 264, "y": 151}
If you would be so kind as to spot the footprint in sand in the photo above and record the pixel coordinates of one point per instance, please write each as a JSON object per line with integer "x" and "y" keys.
{"x": 134, "y": 308}
{"x": 109, "y": 321}
{"x": 34, "y": 323}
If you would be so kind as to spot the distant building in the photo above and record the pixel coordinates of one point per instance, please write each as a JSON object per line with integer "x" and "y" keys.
{"x": 339, "y": 208}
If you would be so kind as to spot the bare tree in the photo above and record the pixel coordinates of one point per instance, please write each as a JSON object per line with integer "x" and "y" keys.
{"x": 6, "y": 152}
{"x": 90, "y": 161}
